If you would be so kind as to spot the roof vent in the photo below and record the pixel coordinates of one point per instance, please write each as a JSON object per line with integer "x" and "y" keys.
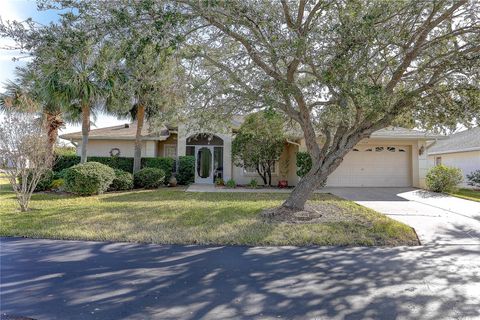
{"x": 127, "y": 125}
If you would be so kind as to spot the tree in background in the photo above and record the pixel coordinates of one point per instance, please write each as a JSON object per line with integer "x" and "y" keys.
{"x": 259, "y": 143}
{"x": 341, "y": 70}
{"x": 24, "y": 154}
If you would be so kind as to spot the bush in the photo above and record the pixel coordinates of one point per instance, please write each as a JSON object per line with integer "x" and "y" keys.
{"x": 63, "y": 162}
{"x": 219, "y": 182}
{"x": 231, "y": 183}
{"x": 253, "y": 183}
{"x": 186, "y": 170}
{"x": 149, "y": 178}
{"x": 121, "y": 163}
{"x": 166, "y": 164}
{"x": 474, "y": 178}
{"x": 304, "y": 163}
{"x": 123, "y": 181}
{"x": 88, "y": 178}
{"x": 45, "y": 181}
{"x": 58, "y": 184}
{"x": 443, "y": 179}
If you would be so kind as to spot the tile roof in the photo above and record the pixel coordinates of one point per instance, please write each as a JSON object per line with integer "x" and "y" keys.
{"x": 468, "y": 140}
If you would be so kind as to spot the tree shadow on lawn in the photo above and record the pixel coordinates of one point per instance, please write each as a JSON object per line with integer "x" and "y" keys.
{"x": 86, "y": 280}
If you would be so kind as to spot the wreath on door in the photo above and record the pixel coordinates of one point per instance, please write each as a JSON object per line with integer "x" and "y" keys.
{"x": 115, "y": 152}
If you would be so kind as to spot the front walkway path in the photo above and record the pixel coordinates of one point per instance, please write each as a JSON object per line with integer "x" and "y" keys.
{"x": 51, "y": 279}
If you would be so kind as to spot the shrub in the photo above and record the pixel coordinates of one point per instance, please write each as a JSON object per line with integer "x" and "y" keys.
{"x": 45, "y": 180}
{"x": 253, "y": 183}
{"x": 231, "y": 183}
{"x": 120, "y": 163}
{"x": 89, "y": 178}
{"x": 149, "y": 178}
{"x": 123, "y": 181}
{"x": 58, "y": 184}
{"x": 166, "y": 164}
{"x": 219, "y": 182}
{"x": 64, "y": 162}
{"x": 443, "y": 179}
{"x": 186, "y": 170}
{"x": 474, "y": 178}
{"x": 304, "y": 163}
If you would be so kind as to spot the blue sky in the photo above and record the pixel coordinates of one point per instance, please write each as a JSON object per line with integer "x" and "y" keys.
{"x": 21, "y": 10}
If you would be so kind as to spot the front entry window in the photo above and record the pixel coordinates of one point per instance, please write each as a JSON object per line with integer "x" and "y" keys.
{"x": 204, "y": 162}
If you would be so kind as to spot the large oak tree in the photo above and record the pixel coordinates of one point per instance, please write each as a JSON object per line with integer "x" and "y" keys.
{"x": 339, "y": 69}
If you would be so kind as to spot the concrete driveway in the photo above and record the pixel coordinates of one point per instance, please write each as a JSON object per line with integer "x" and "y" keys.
{"x": 437, "y": 218}
{"x": 52, "y": 279}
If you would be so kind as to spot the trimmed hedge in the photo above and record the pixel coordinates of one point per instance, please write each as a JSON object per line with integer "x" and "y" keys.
{"x": 149, "y": 178}
{"x": 166, "y": 164}
{"x": 123, "y": 181}
{"x": 121, "y": 163}
{"x": 186, "y": 170}
{"x": 88, "y": 178}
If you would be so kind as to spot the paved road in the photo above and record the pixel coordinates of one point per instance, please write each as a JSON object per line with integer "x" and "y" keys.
{"x": 437, "y": 218}
{"x": 48, "y": 279}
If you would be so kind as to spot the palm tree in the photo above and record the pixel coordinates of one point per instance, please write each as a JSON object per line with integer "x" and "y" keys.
{"x": 148, "y": 89}
{"x": 32, "y": 93}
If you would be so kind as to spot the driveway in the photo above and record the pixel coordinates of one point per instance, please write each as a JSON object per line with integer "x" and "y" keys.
{"x": 52, "y": 279}
{"x": 437, "y": 218}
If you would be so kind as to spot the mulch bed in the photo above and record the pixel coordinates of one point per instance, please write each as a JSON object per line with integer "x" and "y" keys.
{"x": 318, "y": 213}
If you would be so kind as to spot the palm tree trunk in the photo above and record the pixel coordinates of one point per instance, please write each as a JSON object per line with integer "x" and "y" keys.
{"x": 85, "y": 131}
{"x": 53, "y": 123}
{"x": 137, "y": 157}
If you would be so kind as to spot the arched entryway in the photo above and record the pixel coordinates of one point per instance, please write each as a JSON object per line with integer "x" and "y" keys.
{"x": 208, "y": 152}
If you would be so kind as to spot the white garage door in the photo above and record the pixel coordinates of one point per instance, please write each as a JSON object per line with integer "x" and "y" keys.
{"x": 374, "y": 166}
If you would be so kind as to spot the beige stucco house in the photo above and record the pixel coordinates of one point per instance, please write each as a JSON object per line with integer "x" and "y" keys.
{"x": 460, "y": 150}
{"x": 393, "y": 157}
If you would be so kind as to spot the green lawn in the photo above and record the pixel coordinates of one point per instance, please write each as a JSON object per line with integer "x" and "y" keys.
{"x": 173, "y": 216}
{"x": 467, "y": 194}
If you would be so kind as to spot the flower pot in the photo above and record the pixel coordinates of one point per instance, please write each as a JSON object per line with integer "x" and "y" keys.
{"x": 283, "y": 184}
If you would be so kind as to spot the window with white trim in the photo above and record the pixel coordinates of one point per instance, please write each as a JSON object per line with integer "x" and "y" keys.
{"x": 438, "y": 161}
{"x": 170, "y": 151}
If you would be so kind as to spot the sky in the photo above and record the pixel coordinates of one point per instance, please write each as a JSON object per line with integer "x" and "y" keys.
{"x": 21, "y": 10}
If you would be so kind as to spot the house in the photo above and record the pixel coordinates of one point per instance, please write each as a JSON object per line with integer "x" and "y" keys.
{"x": 460, "y": 150}
{"x": 392, "y": 157}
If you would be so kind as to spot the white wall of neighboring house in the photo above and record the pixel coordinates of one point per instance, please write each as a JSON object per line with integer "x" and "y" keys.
{"x": 101, "y": 148}
{"x": 465, "y": 161}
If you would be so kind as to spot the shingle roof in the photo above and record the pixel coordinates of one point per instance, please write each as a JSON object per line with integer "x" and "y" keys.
{"x": 468, "y": 140}
{"x": 122, "y": 132}
{"x": 404, "y": 133}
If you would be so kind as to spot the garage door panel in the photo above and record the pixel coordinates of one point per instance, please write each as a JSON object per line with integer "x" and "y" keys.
{"x": 384, "y": 166}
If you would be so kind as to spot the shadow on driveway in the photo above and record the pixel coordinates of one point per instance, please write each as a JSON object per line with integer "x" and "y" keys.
{"x": 48, "y": 279}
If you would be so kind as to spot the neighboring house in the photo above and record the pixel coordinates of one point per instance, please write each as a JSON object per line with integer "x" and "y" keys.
{"x": 460, "y": 150}
{"x": 393, "y": 157}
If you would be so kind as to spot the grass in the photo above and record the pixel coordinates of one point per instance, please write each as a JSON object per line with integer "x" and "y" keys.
{"x": 468, "y": 194}
{"x": 172, "y": 216}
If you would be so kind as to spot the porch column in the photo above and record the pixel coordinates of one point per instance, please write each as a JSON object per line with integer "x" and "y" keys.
{"x": 227, "y": 156}
{"x": 181, "y": 141}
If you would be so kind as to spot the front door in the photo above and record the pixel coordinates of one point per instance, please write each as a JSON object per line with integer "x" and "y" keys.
{"x": 203, "y": 164}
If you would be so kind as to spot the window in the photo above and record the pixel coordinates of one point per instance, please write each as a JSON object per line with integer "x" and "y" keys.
{"x": 254, "y": 171}
{"x": 391, "y": 149}
{"x": 190, "y": 151}
{"x": 368, "y": 150}
{"x": 401, "y": 150}
{"x": 170, "y": 151}
{"x": 438, "y": 161}
{"x": 379, "y": 149}
{"x": 354, "y": 149}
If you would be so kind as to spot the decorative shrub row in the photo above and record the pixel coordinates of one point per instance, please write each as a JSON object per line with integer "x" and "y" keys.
{"x": 121, "y": 163}
{"x": 186, "y": 170}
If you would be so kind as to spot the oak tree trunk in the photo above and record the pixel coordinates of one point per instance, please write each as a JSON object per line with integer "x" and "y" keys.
{"x": 85, "y": 131}
{"x": 137, "y": 157}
